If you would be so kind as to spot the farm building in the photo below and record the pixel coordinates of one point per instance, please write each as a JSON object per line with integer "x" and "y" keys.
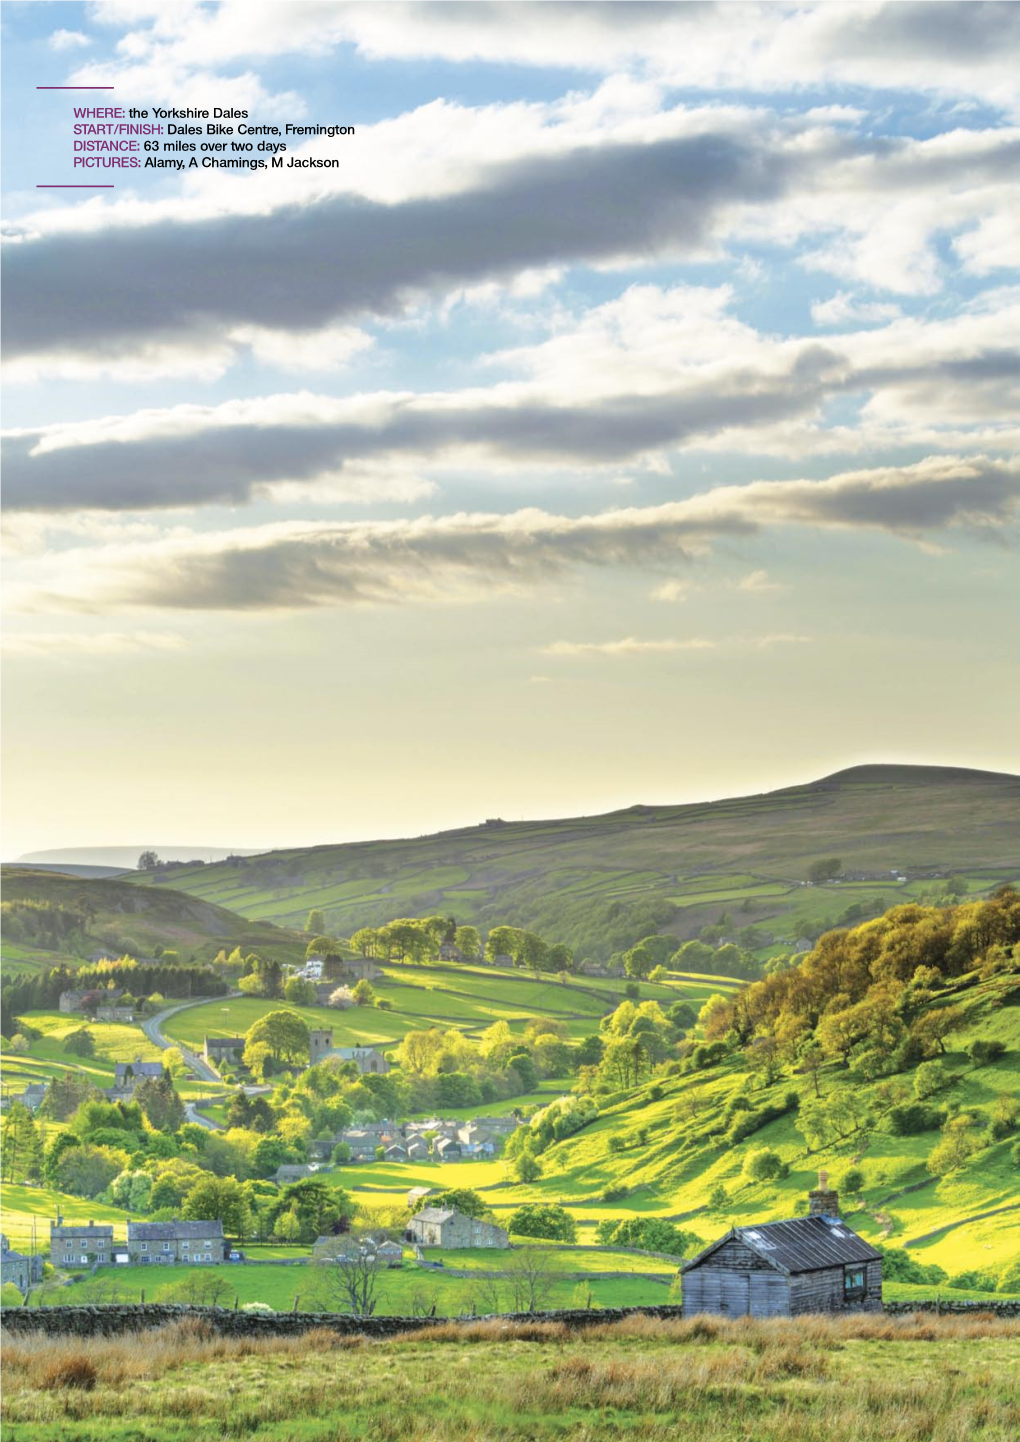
{"x": 446, "y": 1227}
{"x": 17, "y": 1268}
{"x": 782, "y": 1269}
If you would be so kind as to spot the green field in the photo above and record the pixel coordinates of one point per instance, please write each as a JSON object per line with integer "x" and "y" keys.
{"x": 598, "y": 883}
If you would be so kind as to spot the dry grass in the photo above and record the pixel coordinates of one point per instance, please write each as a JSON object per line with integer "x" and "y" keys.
{"x": 809, "y": 1380}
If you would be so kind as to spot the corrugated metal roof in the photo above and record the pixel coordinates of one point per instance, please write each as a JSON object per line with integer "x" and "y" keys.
{"x": 803, "y": 1244}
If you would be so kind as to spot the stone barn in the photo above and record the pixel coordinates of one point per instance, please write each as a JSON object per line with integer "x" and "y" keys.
{"x": 783, "y": 1269}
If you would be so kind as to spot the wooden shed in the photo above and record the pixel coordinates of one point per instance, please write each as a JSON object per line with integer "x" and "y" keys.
{"x": 783, "y": 1269}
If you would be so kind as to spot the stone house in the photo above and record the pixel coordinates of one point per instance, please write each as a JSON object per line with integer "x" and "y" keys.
{"x": 361, "y": 968}
{"x": 784, "y": 1269}
{"x": 293, "y": 1172}
{"x": 219, "y": 1049}
{"x": 417, "y": 1150}
{"x": 450, "y": 952}
{"x": 15, "y": 1267}
{"x": 446, "y": 1227}
{"x": 33, "y": 1096}
{"x": 448, "y": 1150}
{"x": 366, "y": 1058}
{"x": 391, "y": 1253}
{"x": 362, "y": 1144}
{"x": 175, "y": 1243}
{"x": 127, "y": 1074}
{"x": 417, "y": 1194}
{"x": 115, "y": 1013}
{"x": 396, "y": 1153}
{"x": 80, "y": 1244}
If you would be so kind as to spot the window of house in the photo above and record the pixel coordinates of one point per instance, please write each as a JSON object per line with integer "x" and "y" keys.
{"x": 185, "y": 1246}
{"x": 853, "y": 1283}
{"x": 166, "y": 1246}
{"x": 208, "y": 1242}
{"x": 144, "y": 1246}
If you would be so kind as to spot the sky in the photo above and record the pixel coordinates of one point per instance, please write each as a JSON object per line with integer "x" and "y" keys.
{"x": 631, "y": 414}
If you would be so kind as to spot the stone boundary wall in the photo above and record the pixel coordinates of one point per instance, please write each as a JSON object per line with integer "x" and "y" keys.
{"x": 115, "y": 1320}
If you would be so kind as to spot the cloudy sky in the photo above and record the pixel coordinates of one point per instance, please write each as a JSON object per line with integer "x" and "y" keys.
{"x": 631, "y": 416}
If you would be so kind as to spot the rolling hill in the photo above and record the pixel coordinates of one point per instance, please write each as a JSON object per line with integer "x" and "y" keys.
{"x": 96, "y": 913}
{"x": 601, "y": 882}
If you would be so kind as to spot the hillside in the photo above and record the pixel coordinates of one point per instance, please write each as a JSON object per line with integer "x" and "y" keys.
{"x": 49, "y": 917}
{"x": 599, "y": 883}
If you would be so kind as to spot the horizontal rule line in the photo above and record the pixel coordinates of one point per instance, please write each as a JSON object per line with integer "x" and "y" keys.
{"x": 75, "y": 87}
{"x": 75, "y": 187}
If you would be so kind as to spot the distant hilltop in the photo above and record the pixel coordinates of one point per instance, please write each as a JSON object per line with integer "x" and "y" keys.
{"x": 124, "y": 858}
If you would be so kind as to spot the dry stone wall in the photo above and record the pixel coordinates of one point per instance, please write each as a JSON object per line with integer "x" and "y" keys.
{"x": 115, "y": 1319}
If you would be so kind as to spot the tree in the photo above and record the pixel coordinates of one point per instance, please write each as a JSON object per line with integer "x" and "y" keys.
{"x": 66, "y": 1092}
{"x": 460, "y": 1199}
{"x": 81, "y": 1042}
{"x": 321, "y": 1210}
{"x": 762, "y": 1164}
{"x": 526, "y": 1167}
{"x": 348, "y": 1276}
{"x": 824, "y": 870}
{"x": 85, "y": 1171}
{"x": 202, "y": 1289}
{"x": 316, "y": 922}
{"x": 221, "y": 1199}
{"x": 543, "y": 1220}
{"x": 467, "y": 940}
{"x": 852, "y": 1182}
{"x": 158, "y": 1099}
{"x": 960, "y": 1140}
{"x": 299, "y": 991}
{"x": 530, "y": 1284}
{"x": 148, "y": 861}
{"x": 935, "y": 1025}
{"x": 283, "y": 1032}
{"x": 929, "y": 1078}
{"x": 364, "y": 992}
{"x": 21, "y": 1148}
{"x": 648, "y": 1234}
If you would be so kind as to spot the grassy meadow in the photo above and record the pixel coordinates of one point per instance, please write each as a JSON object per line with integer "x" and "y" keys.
{"x": 863, "y": 1379}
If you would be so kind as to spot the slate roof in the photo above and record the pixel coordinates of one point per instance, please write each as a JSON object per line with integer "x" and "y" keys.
{"x": 804, "y": 1244}
{"x": 173, "y": 1231}
{"x": 139, "y": 1068}
{"x": 81, "y": 1231}
{"x": 434, "y": 1214}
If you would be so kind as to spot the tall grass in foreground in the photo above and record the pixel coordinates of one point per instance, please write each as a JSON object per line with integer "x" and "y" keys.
{"x": 848, "y": 1379}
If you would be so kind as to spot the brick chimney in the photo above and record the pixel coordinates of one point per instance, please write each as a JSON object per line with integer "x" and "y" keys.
{"x": 822, "y": 1202}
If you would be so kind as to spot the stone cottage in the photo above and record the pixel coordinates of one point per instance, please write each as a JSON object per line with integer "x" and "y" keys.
{"x": 446, "y": 1227}
{"x": 176, "y": 1242}
{"x": 15, "y": 1267}
{"x": 80, "y": 1244}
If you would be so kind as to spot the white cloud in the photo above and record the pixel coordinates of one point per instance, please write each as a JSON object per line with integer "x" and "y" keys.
{"x": 629, "y": 646}
{"x": 68, "y": 40}
{"x": 845, "y": 309}
{"x": 758, "y": 581}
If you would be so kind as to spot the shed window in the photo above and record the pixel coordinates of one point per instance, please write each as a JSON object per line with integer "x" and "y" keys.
{"x": 853, "y": 1283}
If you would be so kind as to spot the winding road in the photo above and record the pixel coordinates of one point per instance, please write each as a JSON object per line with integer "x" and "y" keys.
{"x": 153, "y": 1029}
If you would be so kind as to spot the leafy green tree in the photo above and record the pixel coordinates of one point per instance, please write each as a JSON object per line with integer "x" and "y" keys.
{"x": 526, "y": 1167}
{"x": 221, "y": 1199}
{"x": 321, "y": 1210}
{"x": 762, "y": 1164}
{"x": 80, "y": 1042}
{"x": 545, "y": 1220}
{"x": 21, "y": 1148}
{"x": 316, "y": 922}
{"x": 824, "y": 870}
{"x": 929, "y": 1078}
{"x": 461, "y": 1199}
{"x": 364, "y": 992}
{"x": 467, "y": 939}
{"x": 299, "y": 991}
{"x": 160, "y": 1103}
{"x": 85, "y": 1171}
{"x": 283, "y": 1032}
